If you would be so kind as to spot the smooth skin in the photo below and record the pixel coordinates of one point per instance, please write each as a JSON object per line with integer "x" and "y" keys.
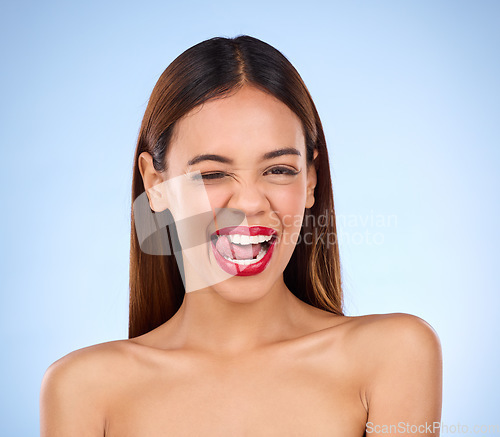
{"x": 245, "y": 357}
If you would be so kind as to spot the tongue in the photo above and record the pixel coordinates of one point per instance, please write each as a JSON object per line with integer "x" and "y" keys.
{"x": 236, "y": 251}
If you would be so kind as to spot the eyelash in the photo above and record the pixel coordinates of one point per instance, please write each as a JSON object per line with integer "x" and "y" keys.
{"x": 219, "y": 175}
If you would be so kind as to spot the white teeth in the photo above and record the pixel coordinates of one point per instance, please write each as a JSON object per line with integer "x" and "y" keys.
{"x": 247, "y": 239}
{"x": 235, "y": 238}
{"x": 262, "y": 238}
{"x": 247, "y": 262}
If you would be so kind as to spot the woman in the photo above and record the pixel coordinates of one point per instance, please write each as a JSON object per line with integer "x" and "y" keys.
{"x": 242, "y": 332}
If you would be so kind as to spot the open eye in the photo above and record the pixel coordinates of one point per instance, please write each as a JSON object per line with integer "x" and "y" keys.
{"x": 280, "y": 170}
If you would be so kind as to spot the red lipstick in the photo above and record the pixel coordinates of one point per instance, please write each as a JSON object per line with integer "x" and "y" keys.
{"x": 243, "y": 250}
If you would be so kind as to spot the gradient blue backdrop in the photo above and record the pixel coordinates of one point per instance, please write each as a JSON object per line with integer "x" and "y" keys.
{"x": 408, "y": 92}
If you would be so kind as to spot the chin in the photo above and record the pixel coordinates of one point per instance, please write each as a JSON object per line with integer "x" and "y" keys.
{"x": 240, "y": 290}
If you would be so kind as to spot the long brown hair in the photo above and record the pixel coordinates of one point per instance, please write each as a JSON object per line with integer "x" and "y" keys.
{"x": 212, "y": 69}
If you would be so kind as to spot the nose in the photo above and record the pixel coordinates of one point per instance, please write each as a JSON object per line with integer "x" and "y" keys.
{"x": 250, "y": 199}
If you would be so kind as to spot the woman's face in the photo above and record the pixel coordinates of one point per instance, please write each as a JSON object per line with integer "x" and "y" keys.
{"x": 244, "y": 157}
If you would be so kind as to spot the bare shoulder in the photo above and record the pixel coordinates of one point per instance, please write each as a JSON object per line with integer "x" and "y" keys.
{"x": 396, "y": 345}
{"x": 393, "y": 326}
{"x": 387, "y": 335}
{"x": 86, "y": 364}
{"x": 397, "y": 362}
{"x": 75, "y": 389}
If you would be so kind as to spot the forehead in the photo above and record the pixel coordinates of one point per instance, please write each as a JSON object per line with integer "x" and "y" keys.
{"x": 244, "y": 125}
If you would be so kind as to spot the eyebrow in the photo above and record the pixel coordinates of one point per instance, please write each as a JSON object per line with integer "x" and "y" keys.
{"x": 209, "y": 157}
{"x": 269, "y": 155}
{"x": 281, "y": 152}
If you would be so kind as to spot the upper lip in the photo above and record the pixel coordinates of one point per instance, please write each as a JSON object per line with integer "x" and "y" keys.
{"x": 245, "y": 230}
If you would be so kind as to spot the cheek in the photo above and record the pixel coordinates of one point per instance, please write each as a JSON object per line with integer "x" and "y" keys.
{"x": 289, "y": 199}
{"x": 289, "y": 205}
{"x": 288, "y": 202}
{"x": 218, "y": 196}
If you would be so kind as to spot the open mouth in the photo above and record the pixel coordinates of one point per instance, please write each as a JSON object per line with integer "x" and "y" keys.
{"x": 243, "y": 251}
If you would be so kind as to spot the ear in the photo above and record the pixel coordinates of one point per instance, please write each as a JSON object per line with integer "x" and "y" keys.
{"x": 311, "y": 181}
{"x": 152, "y": 180}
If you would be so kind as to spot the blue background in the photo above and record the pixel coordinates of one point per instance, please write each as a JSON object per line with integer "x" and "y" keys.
{"x": 408, "y": 92}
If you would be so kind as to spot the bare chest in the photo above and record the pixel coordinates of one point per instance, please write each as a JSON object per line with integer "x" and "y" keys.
{"x": 279, "y": 395}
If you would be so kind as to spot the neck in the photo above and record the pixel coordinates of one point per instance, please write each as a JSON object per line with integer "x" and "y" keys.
{"x": 209, "y": 321}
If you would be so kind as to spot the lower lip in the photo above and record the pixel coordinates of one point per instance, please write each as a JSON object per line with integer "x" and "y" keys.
{"x": 240, "y": 270}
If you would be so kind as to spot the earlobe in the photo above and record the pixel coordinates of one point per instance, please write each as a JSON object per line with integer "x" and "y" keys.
{"x": 152, "y": 181}
{"x": 157, "y": 198}
{"x": 311, "y": 181}
{"x": 310, "y": 194}
{"x": 310, "y": 198}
